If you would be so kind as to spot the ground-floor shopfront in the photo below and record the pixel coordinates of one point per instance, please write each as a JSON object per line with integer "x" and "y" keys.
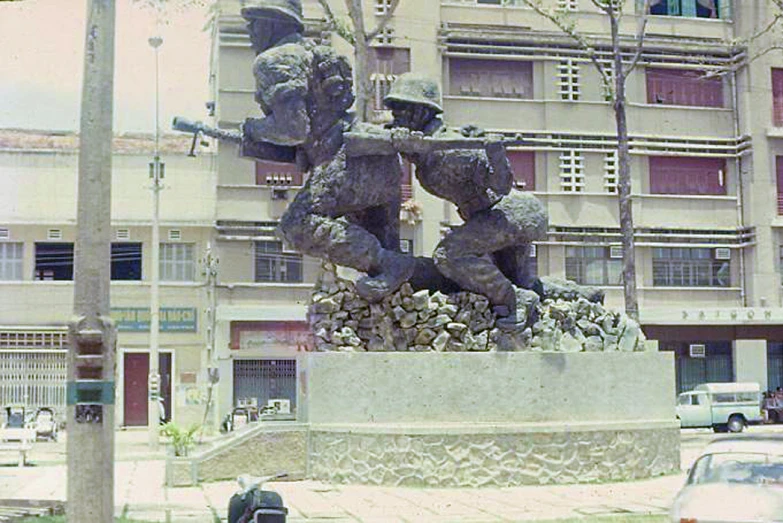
{"x": 259, "y": 357}
{"x": 711, "y": 352}
{"x": 34, "y": 370}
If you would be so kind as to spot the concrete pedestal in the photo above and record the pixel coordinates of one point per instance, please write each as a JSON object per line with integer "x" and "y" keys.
{"x": 490, "y": 419}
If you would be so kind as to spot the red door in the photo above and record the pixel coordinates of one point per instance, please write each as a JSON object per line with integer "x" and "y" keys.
{"x": 136, "y": 369}
{"x": 137, "y": 366}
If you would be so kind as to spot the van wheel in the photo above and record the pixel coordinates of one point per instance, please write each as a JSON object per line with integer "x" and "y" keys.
{"x": 736, "y": 423}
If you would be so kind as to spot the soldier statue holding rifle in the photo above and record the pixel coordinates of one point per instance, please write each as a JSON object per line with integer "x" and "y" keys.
{"x": 348, "y": 210}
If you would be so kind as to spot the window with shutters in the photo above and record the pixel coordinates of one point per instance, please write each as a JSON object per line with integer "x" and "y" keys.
{"x": 523, "y": 164}
{"x": 683, "y": 87}
{"x": 11, "y": 260}
{"x": 275, "y": 174}
{"x": 777, "y": 97}
{"x": 385, "y": 65}
{"x": 593, "y": 265}
{"x": 689, "y": 267}
{"x": 779, "y": 176}
{"x": 687, "y": 175}
{"x": 274, "y": 265}
{"x": 490, "y": 78}
{"x": 177, "y": 262}
{"x": 572, "y": 177}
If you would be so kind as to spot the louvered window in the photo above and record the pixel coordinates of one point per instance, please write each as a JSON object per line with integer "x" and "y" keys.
{"x": 572, "y": 178}
{"x": 610, "y": 172}
{"x": 568, "y": 80}
{"x": 177, "y": 262}
{"x": 11, "y": 260}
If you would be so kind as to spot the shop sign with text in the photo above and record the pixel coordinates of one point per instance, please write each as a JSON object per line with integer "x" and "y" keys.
{"x": 172, "y": 319}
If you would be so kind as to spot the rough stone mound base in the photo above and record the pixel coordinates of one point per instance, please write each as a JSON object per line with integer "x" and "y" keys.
{"x": 424, "y": 321}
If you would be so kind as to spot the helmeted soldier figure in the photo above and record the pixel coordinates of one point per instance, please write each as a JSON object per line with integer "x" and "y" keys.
{"x": 489, "y": 253}
{"x": 348, "y": 210}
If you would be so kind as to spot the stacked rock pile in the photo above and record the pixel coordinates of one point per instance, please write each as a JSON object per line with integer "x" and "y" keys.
{"x": 421, "y": 321}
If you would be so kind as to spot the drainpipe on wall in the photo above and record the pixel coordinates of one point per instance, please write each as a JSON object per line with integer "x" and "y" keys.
{"x": 738, "y": 169}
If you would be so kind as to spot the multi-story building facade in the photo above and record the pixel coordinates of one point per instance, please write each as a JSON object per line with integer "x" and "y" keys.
{"x": 707, "y": 158}
{"x": 38, "y": 176}
{"x": 706, "y": 161}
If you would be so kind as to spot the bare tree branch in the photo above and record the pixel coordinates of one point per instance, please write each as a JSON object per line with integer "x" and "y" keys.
{"x": 330, "y": 19}
{"x": 570, "y": 29}
{"x": 640, "y": 33}
{"x": 384, "y": 21}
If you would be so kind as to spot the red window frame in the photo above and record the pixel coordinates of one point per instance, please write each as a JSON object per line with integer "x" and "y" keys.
{"x": 523, "y": 163}
{"x": 777, "y": 97}
{"x": 683, "y": 87}
{"x": 687, "y": 175}
{"x": 490, "y": 78}
{"x": 779, "y": 176}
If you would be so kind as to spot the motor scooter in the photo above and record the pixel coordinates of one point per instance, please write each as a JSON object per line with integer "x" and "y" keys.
{"x": 252, "y": 504}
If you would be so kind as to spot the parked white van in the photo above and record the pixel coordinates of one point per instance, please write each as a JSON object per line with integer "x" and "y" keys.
{"x": 722, "y": 406}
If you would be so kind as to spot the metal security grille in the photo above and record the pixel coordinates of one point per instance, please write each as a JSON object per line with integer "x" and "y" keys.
{"x": 265, "y": 380}
{"x": 33, "y": 367}
{"x": 774, "y": 365}
{"x": 717, "y": 365}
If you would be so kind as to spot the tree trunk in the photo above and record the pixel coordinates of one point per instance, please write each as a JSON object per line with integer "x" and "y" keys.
{"x": 362, "y": 85}
{"x": 624, "y": 179}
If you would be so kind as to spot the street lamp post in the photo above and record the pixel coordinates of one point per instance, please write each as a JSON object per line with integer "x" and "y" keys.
{"x": 156, "y": 173}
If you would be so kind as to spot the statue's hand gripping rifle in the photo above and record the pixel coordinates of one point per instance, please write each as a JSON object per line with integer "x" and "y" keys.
{"x": 247, "y": 147}
{"x": 198, "y": 128}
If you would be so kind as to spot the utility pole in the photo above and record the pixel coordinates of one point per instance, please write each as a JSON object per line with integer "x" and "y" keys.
{"x": 209, "y": 358}
{"x": 156, "y": 173}
{"x": 92, "y": 335}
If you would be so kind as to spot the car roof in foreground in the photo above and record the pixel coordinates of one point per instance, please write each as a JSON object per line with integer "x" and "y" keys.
{"x": 754, "y": 444}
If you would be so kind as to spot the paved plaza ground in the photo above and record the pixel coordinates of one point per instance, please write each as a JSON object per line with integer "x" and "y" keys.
{"x": 140, "y": 493}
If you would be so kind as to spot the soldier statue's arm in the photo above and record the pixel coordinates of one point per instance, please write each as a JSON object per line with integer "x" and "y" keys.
{"x": 281, "y": 92}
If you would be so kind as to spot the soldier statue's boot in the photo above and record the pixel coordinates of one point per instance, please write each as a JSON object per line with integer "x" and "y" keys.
{"x": 513, "y": 329}
{"x": 392, "y": 270}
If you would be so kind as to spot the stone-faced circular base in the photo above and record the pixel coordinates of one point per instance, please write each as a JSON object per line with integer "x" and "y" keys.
{"x": 493, "y": 455}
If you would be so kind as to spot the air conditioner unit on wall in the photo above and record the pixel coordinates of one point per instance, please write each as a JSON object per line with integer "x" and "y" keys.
{"x": 5, "y": 234}
{"x": 533, "y": 250}
{"x": 175, "y": 235}
{"x": 722, "y": 253}
{"x": 616, "y": 251}
{"x": 697, "y": 350}
{"x": 123, "y": 234}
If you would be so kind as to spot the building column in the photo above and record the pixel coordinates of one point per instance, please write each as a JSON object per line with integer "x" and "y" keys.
{"x": 750, "y": 361}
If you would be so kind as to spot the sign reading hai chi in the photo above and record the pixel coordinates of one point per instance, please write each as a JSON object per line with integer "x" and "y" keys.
{"x": 172, "y": 319}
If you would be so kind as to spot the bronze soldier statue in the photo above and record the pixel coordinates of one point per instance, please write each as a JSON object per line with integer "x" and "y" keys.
{"x": 348, "y": 210}
{"x": 489, "y": 253}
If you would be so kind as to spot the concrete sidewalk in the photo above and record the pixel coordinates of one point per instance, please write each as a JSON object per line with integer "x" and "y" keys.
{"x": 140, "y": 493}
